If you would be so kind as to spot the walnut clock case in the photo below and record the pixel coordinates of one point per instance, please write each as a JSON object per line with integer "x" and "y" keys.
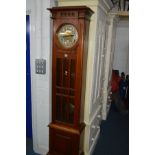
{"x": 70, "y": 46}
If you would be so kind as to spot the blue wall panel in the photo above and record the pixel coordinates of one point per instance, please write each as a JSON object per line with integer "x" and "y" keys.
{"x": 28, "y": 81}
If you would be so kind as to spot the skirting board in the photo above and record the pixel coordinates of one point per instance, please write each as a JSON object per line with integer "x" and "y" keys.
{"x": 40, "y": 150}
{"x": 94, "y": 143}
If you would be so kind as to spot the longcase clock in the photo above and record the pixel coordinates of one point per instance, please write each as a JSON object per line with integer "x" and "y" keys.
{"x": 70, "y": 46}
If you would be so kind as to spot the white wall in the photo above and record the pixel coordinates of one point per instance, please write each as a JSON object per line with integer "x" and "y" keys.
{"x": 40, "y": 47}
{"x": 121, "y": 53}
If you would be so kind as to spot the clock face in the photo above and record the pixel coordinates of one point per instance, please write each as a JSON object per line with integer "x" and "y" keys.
{"x": 67, "y": 35}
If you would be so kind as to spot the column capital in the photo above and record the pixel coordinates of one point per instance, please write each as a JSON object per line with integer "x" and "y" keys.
{"x": 112, "y": 18}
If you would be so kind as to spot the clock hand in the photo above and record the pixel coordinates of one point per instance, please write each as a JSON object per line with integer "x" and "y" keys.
{"x": 66, "y": 33}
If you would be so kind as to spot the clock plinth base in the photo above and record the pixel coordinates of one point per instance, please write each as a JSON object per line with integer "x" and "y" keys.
{"x": 49, "y": 153}
{"x": 56, "y": 154}
{"x": 64, "y": 140}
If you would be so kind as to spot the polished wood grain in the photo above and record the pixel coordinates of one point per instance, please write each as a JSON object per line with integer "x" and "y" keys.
{"x": 68, "y": 81}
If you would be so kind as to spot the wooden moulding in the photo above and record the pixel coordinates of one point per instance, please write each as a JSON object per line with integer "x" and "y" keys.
{"x": 123, "y": 13}
{"x": 68, "y": 12}
{"x": 68, "y": 129}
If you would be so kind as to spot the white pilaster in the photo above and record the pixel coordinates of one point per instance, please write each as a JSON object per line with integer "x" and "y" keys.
{"x": 111, "y": 31}
{"x": 40, "y": 42}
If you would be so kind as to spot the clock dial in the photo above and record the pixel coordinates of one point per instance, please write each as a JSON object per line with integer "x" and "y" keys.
{"x": 67, "y": 35}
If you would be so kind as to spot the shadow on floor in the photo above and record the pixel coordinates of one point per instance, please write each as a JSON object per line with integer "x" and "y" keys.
{"x": 29, "y": 147}
{"x": 114, "y": 135}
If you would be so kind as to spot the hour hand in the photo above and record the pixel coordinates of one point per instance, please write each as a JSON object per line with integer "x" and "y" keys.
{"x": 67, "y": 33}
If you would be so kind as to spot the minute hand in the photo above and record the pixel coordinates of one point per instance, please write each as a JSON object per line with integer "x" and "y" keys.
{"x": 66, "y": 34}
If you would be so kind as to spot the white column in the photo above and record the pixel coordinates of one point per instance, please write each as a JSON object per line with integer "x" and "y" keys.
{"x": 40, "y": 47}
{"x": 111, "y": 28}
